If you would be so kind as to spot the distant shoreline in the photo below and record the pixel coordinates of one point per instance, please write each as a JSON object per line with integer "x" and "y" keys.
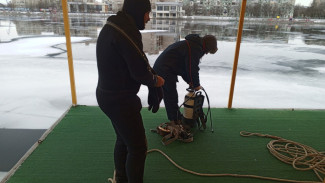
{"x": 48, "y": 15}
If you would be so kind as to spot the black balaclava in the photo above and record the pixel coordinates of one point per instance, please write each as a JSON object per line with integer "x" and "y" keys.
{"x": 137, "y": 9}
{"x": 210, "y": 44}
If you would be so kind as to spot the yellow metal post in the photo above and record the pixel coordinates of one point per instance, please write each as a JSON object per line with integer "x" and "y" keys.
{"x": 234, "y": 69}
{"x": 69, "y": 51}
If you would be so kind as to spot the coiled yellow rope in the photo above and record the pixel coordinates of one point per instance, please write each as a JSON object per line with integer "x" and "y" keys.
{"x": 300, "y": 156}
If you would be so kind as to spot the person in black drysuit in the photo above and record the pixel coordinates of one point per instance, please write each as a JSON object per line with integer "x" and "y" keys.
{"x": 182, "y": 59}
{"x": 121, "y": 71}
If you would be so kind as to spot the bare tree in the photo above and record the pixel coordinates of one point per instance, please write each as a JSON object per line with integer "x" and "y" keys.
{"x": 299, "y": 11}
{"x": 11, "y": 5}
{"x": 219, "y": 10}
{"x": 188, "y": 9}
{"x": 315, "y": 11}
{"x": 256, "y": 10}
{"x": 266, "y": 9}
{"x": 249, "y": 10}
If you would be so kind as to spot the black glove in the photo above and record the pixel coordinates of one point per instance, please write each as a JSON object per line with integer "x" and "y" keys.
{"x": 154, "y": 98}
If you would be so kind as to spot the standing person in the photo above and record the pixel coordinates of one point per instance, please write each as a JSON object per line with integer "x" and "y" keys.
{"x": 122, "y": 68}
{"x": 182, "y": 59}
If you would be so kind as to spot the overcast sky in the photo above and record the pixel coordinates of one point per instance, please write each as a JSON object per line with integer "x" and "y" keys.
{"x": 304, "y": 2}
{"x": 301, "y": 2}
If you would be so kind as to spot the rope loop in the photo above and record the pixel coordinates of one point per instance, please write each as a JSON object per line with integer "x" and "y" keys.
{"x": 300, "y": 156}
{"x": 248, "y": 134}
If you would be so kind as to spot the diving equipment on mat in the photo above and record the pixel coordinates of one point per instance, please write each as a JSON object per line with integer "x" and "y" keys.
{"x": 172, "y": 131}
{"x": 193, "y": 117}
{"x": 193, "y": 114}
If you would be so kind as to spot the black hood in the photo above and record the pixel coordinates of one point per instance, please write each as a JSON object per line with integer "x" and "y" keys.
{"x": 195, "y": 38}
{"x": 136, "y": 9}
{"x": 127, "y": 24}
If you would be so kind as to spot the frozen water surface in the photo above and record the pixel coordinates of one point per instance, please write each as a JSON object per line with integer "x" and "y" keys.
{"x": 280, "y": 66}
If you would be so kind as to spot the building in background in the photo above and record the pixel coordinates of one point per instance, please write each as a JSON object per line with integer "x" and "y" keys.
{"x": 229, "y": 7}
{"x": 114, "y": 5}
{"x": 92, "y": 6}
{"x": 171, "y": 9}
{"x": 36, "y": 5}
{"x": 80, "y": 6}
{"x": 211, "y": 7}
{"x": 19, "y": 3}
{"x": 85, "y": 6}
{"x": 254, "y": 8}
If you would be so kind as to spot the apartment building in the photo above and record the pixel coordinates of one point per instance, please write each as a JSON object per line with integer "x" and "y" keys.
{"x": 168, "y": 10}
{"x": 90, "y": 6}
{"x": 34, "y": 5}
{"x": 114, "y": 5}
{"x": 210, "y": 7}
{"x": 85, "y": 6}
{"x": 229, "y": 7}
{"x": 19, "y": 3}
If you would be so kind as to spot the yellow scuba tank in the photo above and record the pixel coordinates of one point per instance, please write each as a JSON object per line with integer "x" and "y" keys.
{"x": 189, "y": 104}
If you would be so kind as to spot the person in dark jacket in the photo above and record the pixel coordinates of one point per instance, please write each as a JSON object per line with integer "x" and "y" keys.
{"x": 122, "y": 68}
{"x": 182, "y": 59}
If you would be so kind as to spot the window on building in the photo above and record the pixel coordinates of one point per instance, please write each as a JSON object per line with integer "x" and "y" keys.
{"x": 173, "y": 8}
{"x": 166, "y": 14}
{"x": 173, "y": 14}
{"x": 166, "y": 8}
{"x": 159, "y": 8}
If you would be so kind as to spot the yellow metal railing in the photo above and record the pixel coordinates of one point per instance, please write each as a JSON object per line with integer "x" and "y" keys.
{"x": 69, "y": 51}
{"x": 234, "y": 69}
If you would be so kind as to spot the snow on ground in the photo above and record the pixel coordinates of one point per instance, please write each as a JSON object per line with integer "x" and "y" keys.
{"x": 35, "y": 88}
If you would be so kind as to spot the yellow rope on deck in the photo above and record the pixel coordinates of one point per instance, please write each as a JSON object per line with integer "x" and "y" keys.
{"x": 300, "y": 156}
